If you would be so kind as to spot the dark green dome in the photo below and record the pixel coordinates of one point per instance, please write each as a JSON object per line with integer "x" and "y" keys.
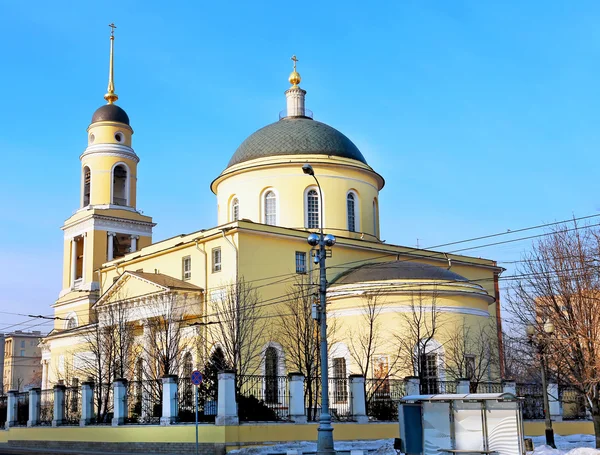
{"x": 296, "y": 136}
{"x": 110, "y": 113}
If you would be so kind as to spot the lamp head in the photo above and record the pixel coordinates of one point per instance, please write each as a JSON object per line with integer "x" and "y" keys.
{"x": 530, "y": 330}
{"x": 549, "y": 327}
{"x": 313, "y": 239}
{"x": 308, "y": 170}
{"x": 329, "y": 240}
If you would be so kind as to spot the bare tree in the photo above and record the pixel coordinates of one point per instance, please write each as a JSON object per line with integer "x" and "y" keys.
{"x": 239, "y": 328}
{"x": 300, "y": 338}
{"x": 520, "y": 363}
{"x": 416, "y": 339}
{"x": 117, "y": 320}
{"x": 559, "y": 284}
{"x": 471, "y": 352}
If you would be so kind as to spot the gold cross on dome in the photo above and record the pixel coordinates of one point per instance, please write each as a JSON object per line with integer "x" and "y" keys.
{"x": 112, "y": 27}
{"x": 295, "y": 59}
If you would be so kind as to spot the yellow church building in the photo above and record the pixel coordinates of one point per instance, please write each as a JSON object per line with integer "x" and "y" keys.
{"x": 248, "y": 285}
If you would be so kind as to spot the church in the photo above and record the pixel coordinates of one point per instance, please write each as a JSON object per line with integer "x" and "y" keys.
{"x": 138, "y": 308}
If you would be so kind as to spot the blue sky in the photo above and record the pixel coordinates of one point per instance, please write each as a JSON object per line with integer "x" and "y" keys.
{"x": 482, "y": 116}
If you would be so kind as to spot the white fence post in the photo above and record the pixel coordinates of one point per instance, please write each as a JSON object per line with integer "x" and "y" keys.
{"x": 169, "y": 400}
{"x": 463, "y": 386}
{"x": 87, "y": 403}
{"x": 59, "y": 405}
{"x": 358, "y": 403}
{"x": 119, "y": 402}
{"x": 509, "y": 386}
{"x": 226, "y": 405}
{"x": 34, "y": 407}
{"x": 11, "y": 410}
{"x": 413, "y": 385}
{"x": 296, "y": 389}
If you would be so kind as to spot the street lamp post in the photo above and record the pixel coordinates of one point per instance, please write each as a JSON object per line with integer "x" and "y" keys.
{"x": 539, "y": 342}
{"x": 325, "y": 430}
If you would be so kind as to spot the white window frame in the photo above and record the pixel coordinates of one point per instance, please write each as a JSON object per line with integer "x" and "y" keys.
{"x": 321, "y": 207}
{"x": 263, "y": 198}
{"x": 235, "y": 203}
{"x": 186, "y": 274}
{"x": 216, "y": 266}
{"x": 127, "y": 183}
{"x": 356, "y": 212}
{"x": 296, "y": 262}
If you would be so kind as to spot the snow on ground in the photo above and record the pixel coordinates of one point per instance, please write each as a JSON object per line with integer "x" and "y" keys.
{"x": 575, "y": 444}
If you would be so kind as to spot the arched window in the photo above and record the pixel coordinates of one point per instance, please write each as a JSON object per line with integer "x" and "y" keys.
{"x": 312, "y": 209}
{"x": 120, "y": 185}
{"x": 235, "y": 209}
{"x": 351, "y": 211}
{"x": 71, "y": 323}
{"x": 270, "y": 208}
{"x": 87, "y": 185}
{"x": 271, "y": 385}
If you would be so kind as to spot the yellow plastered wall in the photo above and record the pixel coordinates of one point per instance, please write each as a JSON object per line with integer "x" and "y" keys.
{"x": 289, "y": 184}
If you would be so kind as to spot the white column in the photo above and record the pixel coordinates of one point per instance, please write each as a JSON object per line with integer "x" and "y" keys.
{"x": 44, "y": 374}
{"x": 226, "y": 405}
{"x": 73, "y": 260}
{"x": 59, "y": 405}
{"x": 553, "y": 402}
{"x": 412, "y": 384}
{"x": 295, "y": 102}
{"x": 296, "y": 388}
{"x": 463, "y": 386}
{"x": 134, "y": 239}
{"x": 87, "y": 403}
{"x": 84, "y": 240}
{"x": 120, "y": 402}
{"x": 11, "y": 409}
{"x": 169, "y": 400}
{"x": 35, "y": 395}
{"x": 358, "y": 402}
{"x": 509, "y": 386}
{"x": 111, "y": 254}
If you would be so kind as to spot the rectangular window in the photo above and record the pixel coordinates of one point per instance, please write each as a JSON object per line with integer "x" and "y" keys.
{"x": 23, "y": 343}
{"x": 340, "y": 381}
{"x": 429, "y": 374}
{"x": 381, "y": 374}
{"x": 22, "y": 352}
{"x": 300, "y": 262}
{"x": 216, "y": 259}
{"x": 187, "y": 267}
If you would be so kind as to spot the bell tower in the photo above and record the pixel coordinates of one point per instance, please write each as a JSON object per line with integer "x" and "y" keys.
{"x": 107, "y": 224}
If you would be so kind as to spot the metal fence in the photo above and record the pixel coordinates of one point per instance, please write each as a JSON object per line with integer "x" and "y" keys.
{"x": 144, "y": 401}
{"x": 3, "y": 410}
{"x": 186, "y": 402}
{"x": 574, "y": 403}
{"x": 339, "y": 399}
{"x": 382, "y": 397}
{"x": 263, "y": 398}
{"x": 103, "y": 404}
{"x": 72, "y": 406}
{"x": 46, "y": 406}
{"x": 434, "y": 386}
{"x": 22, "y": 408}
{"x": 533, "y": 402}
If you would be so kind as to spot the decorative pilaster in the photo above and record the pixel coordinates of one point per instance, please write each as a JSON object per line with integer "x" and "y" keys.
{"x": 59, "y": 405}
{"x": 110, "y": 255}
{"x": 358, "y": 402}
{"x": 169, "y": 400}
{"x": 297, "y": 408}
{"x": 120, "y": 402}
{"x": 35, "y": 396}
{"x": 226, "y": 405}
{"x": 412, "y": 385}
{"x": 85, "y": 246}
{"x": 11, "y": 409}
{"x": 463, "y": 386}
{"x": 73, "y": 261}
{"x": 87, "y": 403}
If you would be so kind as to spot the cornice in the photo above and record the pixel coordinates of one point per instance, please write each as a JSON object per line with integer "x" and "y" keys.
{"x": 117, "y": 150}
{"x": 108, "y": 223}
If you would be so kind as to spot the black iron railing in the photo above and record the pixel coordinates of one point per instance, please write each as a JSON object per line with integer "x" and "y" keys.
{"x": 3, "y": 410}
{"x": 263, "y": 398}
{"x": 22, "y": 408}
{"x": 72, "y": 406}
{"x": 382, "y": 397}
{"x": 533, "y": 400}
{"x": 103, "y": 404}
{"x": 339, "y": 399}
{"x": 46, "y": 406}
{"x": 186, "y": 402}
{"x": 487, "y": 387}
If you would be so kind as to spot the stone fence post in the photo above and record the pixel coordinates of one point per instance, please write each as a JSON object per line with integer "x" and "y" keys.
{"x": 463, "y": 386}
{"x": 296, "y": 389}
{"x": 169, "y": 400}
{"x": 11, "y": 409}
{"x": 226, "y": 405}
{"x": 412, "y": 385}
{"x": 358, "y": 401}
{"x": 87, "y": 403}
{"x": 553, "y": 402}
{"x": 35, "y": 396}
{"x": 59, "y": 405}
{"x": 509, "y": 386}
{"x": 120, "y": 409}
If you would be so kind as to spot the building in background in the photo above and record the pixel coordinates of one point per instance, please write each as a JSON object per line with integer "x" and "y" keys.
{"x": 22, "y": 360}
{"x": 2, "y": 391}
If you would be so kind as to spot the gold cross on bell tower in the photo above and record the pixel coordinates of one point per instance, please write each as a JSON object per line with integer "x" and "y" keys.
{"x": 294, "y": 76}
{"x": 294, "y": 59}
{"x": 112, "y": 31}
